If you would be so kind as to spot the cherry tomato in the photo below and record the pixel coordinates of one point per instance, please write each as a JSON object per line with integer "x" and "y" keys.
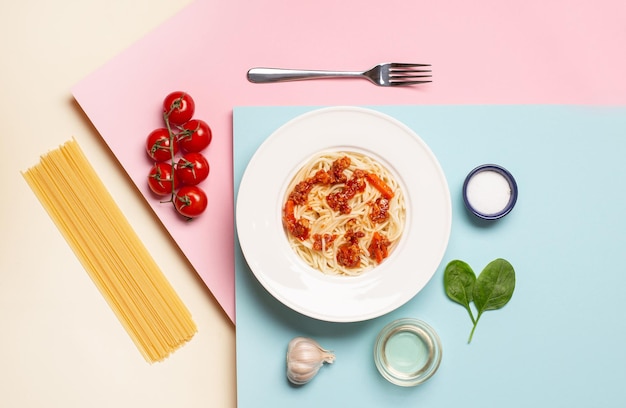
{"x": 158, "y": 145}
{"x": 179, "y": 107}
{"x": 195, "y": 136}
{"x": 161, "y": 177}
{"x": 190, "y": 201}
{"x": 192, "y": 168}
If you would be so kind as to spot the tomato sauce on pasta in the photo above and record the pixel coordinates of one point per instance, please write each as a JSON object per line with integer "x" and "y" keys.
{"x": 343, "y": 213}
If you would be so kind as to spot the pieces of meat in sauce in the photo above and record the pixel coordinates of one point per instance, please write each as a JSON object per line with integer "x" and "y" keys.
{"x": 348, "y": 253}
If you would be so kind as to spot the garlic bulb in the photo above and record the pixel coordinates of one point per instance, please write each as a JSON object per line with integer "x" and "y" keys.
{"x": 304, "y": 359}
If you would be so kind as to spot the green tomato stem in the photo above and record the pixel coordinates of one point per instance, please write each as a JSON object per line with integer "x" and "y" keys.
{"x": 166, "y": 118}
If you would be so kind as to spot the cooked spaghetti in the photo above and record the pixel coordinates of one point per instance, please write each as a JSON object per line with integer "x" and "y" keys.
{"x": 109, "y": 249}
{"x": 344, "y": 213}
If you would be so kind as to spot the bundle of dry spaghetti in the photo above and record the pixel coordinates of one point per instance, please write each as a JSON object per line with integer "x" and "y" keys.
{"x": 111, "y": 252}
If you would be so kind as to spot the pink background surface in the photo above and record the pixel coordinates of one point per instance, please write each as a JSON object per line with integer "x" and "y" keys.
{"x": 482, "y": 52}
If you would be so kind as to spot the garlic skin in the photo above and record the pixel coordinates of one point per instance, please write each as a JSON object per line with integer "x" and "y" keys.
{"x": 304, "y": 359}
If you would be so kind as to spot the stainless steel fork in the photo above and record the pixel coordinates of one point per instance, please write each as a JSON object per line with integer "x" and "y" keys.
{"x": 388, "y": 74}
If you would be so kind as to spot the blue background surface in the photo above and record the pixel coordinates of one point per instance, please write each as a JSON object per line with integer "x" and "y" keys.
{"x": 561, "y": 340}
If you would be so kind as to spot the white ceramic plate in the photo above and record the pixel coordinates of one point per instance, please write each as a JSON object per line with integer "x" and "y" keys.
{"x": 339, "y": 298}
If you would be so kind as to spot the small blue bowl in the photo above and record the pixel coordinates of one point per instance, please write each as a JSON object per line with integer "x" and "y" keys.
{"x": 489, "y": 192}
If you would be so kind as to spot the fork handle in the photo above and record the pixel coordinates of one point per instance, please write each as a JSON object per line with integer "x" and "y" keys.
{"x": 268, "y": 75}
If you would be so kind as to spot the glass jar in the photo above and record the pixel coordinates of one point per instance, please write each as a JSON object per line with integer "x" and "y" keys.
{"x": 407, "y": 352}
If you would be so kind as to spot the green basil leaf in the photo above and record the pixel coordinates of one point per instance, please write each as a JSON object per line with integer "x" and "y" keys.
{"x": 494, "y": 286}
{"x": 458, "y": 281}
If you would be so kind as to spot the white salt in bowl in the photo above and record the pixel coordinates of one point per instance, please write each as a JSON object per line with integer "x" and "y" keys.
{"x": 489, "y": 192}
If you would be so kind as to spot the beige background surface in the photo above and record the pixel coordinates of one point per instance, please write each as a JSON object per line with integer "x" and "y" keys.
{"x": 60, "y": 344}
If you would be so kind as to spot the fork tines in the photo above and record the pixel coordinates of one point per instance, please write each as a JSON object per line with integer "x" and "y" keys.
{"x": 408, "y": 74}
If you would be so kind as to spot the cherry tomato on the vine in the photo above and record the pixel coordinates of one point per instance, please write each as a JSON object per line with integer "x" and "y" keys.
{"x": 179, "y": 107}
{"x": 192, "y": 168}
{"x": 190, "y": 201}
{"x": 161, "y": 178}
{"x": 178, "y": 165}
{"x": 195, "y": 136}
{"x": 158, "y": 145}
